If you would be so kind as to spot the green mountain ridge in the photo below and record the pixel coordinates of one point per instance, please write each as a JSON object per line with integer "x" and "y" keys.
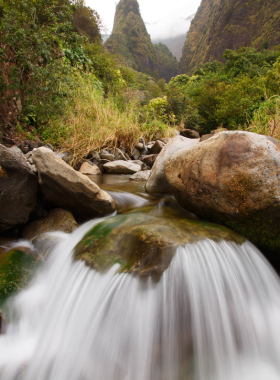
{"x": 132, "y": 45}
{"x": 229, "y": 24}
{"x": 174, "y": 44}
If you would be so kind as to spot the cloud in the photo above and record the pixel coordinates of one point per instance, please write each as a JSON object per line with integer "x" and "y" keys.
{"x": 169, "y": 27}
{"x": 152, "y": 11}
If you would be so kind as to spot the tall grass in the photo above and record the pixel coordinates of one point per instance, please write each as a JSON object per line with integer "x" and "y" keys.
{"x": 266, "y": 119}
{"x": 91, "y": 122}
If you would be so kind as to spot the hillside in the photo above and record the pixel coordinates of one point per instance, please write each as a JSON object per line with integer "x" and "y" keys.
{"x": 132, "y": 45}
{"x": 174, "y": 44}
{"x": 167, "y": 63}
{"x": 229, "y": 24}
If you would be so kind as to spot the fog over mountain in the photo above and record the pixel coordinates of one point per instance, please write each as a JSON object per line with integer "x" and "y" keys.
{"x": 169, "y": 27}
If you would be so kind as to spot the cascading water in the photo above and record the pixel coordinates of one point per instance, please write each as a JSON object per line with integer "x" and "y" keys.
{"x": 213, "y": 315}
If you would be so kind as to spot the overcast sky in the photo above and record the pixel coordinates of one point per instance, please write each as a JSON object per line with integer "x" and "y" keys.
{"x": 151, "y": 10}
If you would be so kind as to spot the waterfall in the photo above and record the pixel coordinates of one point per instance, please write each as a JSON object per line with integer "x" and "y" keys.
{"x": 213, "y": 315}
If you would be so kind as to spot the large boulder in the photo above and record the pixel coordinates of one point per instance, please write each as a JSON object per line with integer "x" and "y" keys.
{"x": 69, "y": 189}
{"x": 144, "y": 244}
{"x": 122, "y": 167}
{"x": 56, "y": 220}
{"x": 157, "y": 182}
{"x": 18, "y": 189}
{"x": 234, "y": 179}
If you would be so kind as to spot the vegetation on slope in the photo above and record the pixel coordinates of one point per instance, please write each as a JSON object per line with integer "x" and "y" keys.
{"x": 167, "y": 63}
{"x": 51, "y": 57}
{"x": 229, "y": 24}
{"x": 242, "y": 93}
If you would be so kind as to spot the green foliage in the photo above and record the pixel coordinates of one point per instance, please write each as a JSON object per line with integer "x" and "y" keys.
{"x": 266, "y": 118}
{"x": 167, "y": 63}
{"x": 87, "y": 22}
{"x": 248, "y": 61}
{"x": 225, "y": 94}
{"x": 37, "y": 42}
{"x": 158, "y": 109}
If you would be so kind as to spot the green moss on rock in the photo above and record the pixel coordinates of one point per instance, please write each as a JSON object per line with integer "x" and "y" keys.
{"x": 16, "y": 268}
{"x": 143, "y": 243}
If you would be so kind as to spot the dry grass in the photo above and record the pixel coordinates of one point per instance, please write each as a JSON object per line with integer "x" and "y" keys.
{"x": 92, "y": 122}
{"x": 266, "y": 120}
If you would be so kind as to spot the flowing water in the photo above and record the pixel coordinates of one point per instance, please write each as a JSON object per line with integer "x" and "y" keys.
{"x": 213, "y": 315}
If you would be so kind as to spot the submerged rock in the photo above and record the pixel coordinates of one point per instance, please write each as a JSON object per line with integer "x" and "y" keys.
{"x": 157, "y": 182}
{"x": 69, "y": 189}
{"x": 144, "y": 243}
{"x": 122, "y": 167}
{"x": 18, "y": 189}
{"x": 233, "y": 179}
{"x": 56, "y": 220}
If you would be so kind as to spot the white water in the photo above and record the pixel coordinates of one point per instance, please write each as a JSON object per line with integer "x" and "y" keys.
{"x": 214, "y": 315}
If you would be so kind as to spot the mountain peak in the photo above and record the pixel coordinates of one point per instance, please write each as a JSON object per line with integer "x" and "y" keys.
{"x": 132, "y": 45}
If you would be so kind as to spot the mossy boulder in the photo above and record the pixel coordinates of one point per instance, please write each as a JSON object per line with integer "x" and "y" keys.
{"x": 232, "y": 179}
{"x": 16, "y": 269}
{"x": 143, "y": 243}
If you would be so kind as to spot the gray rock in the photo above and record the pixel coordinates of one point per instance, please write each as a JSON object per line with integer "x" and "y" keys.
{"x": 49, "y": 146}
{"x": 139, "y": 146}
{"x": 122, "y": 167}
{"x": 69, "y": 189}
{"x": 118, "y": 154}
{"x": 93, "y": 155}
{"x": 141, "y": 176}
{"x": 18, "y": 189}
{"x": 65, "y": 156}
{"x": 56, "y": 220}
{"x": 107, "y": 156}
{"x": 150, "y": 160}
{"x": 206, "y": 137}
{"x": 157, "y": 182}
{"x": 16, "y": 150}
{"x": 135, "y": 154}
{"x": 157, "y": 147}
{"x": 190, "y": 134}
{"x": 165, "y": 140}
{"x": 103, "y": 161}
{"x": 88, "y": 169}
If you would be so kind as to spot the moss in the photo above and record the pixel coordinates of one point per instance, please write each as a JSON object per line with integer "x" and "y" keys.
{"x": 16, "y": 268}
{"x": 143, "y": 243}
{"x": 265, "y": 234}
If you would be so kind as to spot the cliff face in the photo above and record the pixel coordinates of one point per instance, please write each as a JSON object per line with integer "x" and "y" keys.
{"x": 229, "y": 24}
{"x": 167, "y": 63}
{"x": 132, "y": 45}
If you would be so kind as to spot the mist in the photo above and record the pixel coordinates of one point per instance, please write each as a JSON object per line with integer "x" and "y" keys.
{"x": 169, "y": 27}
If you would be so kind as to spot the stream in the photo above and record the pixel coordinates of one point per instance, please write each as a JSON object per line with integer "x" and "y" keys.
{"x": 211, "y": 313}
